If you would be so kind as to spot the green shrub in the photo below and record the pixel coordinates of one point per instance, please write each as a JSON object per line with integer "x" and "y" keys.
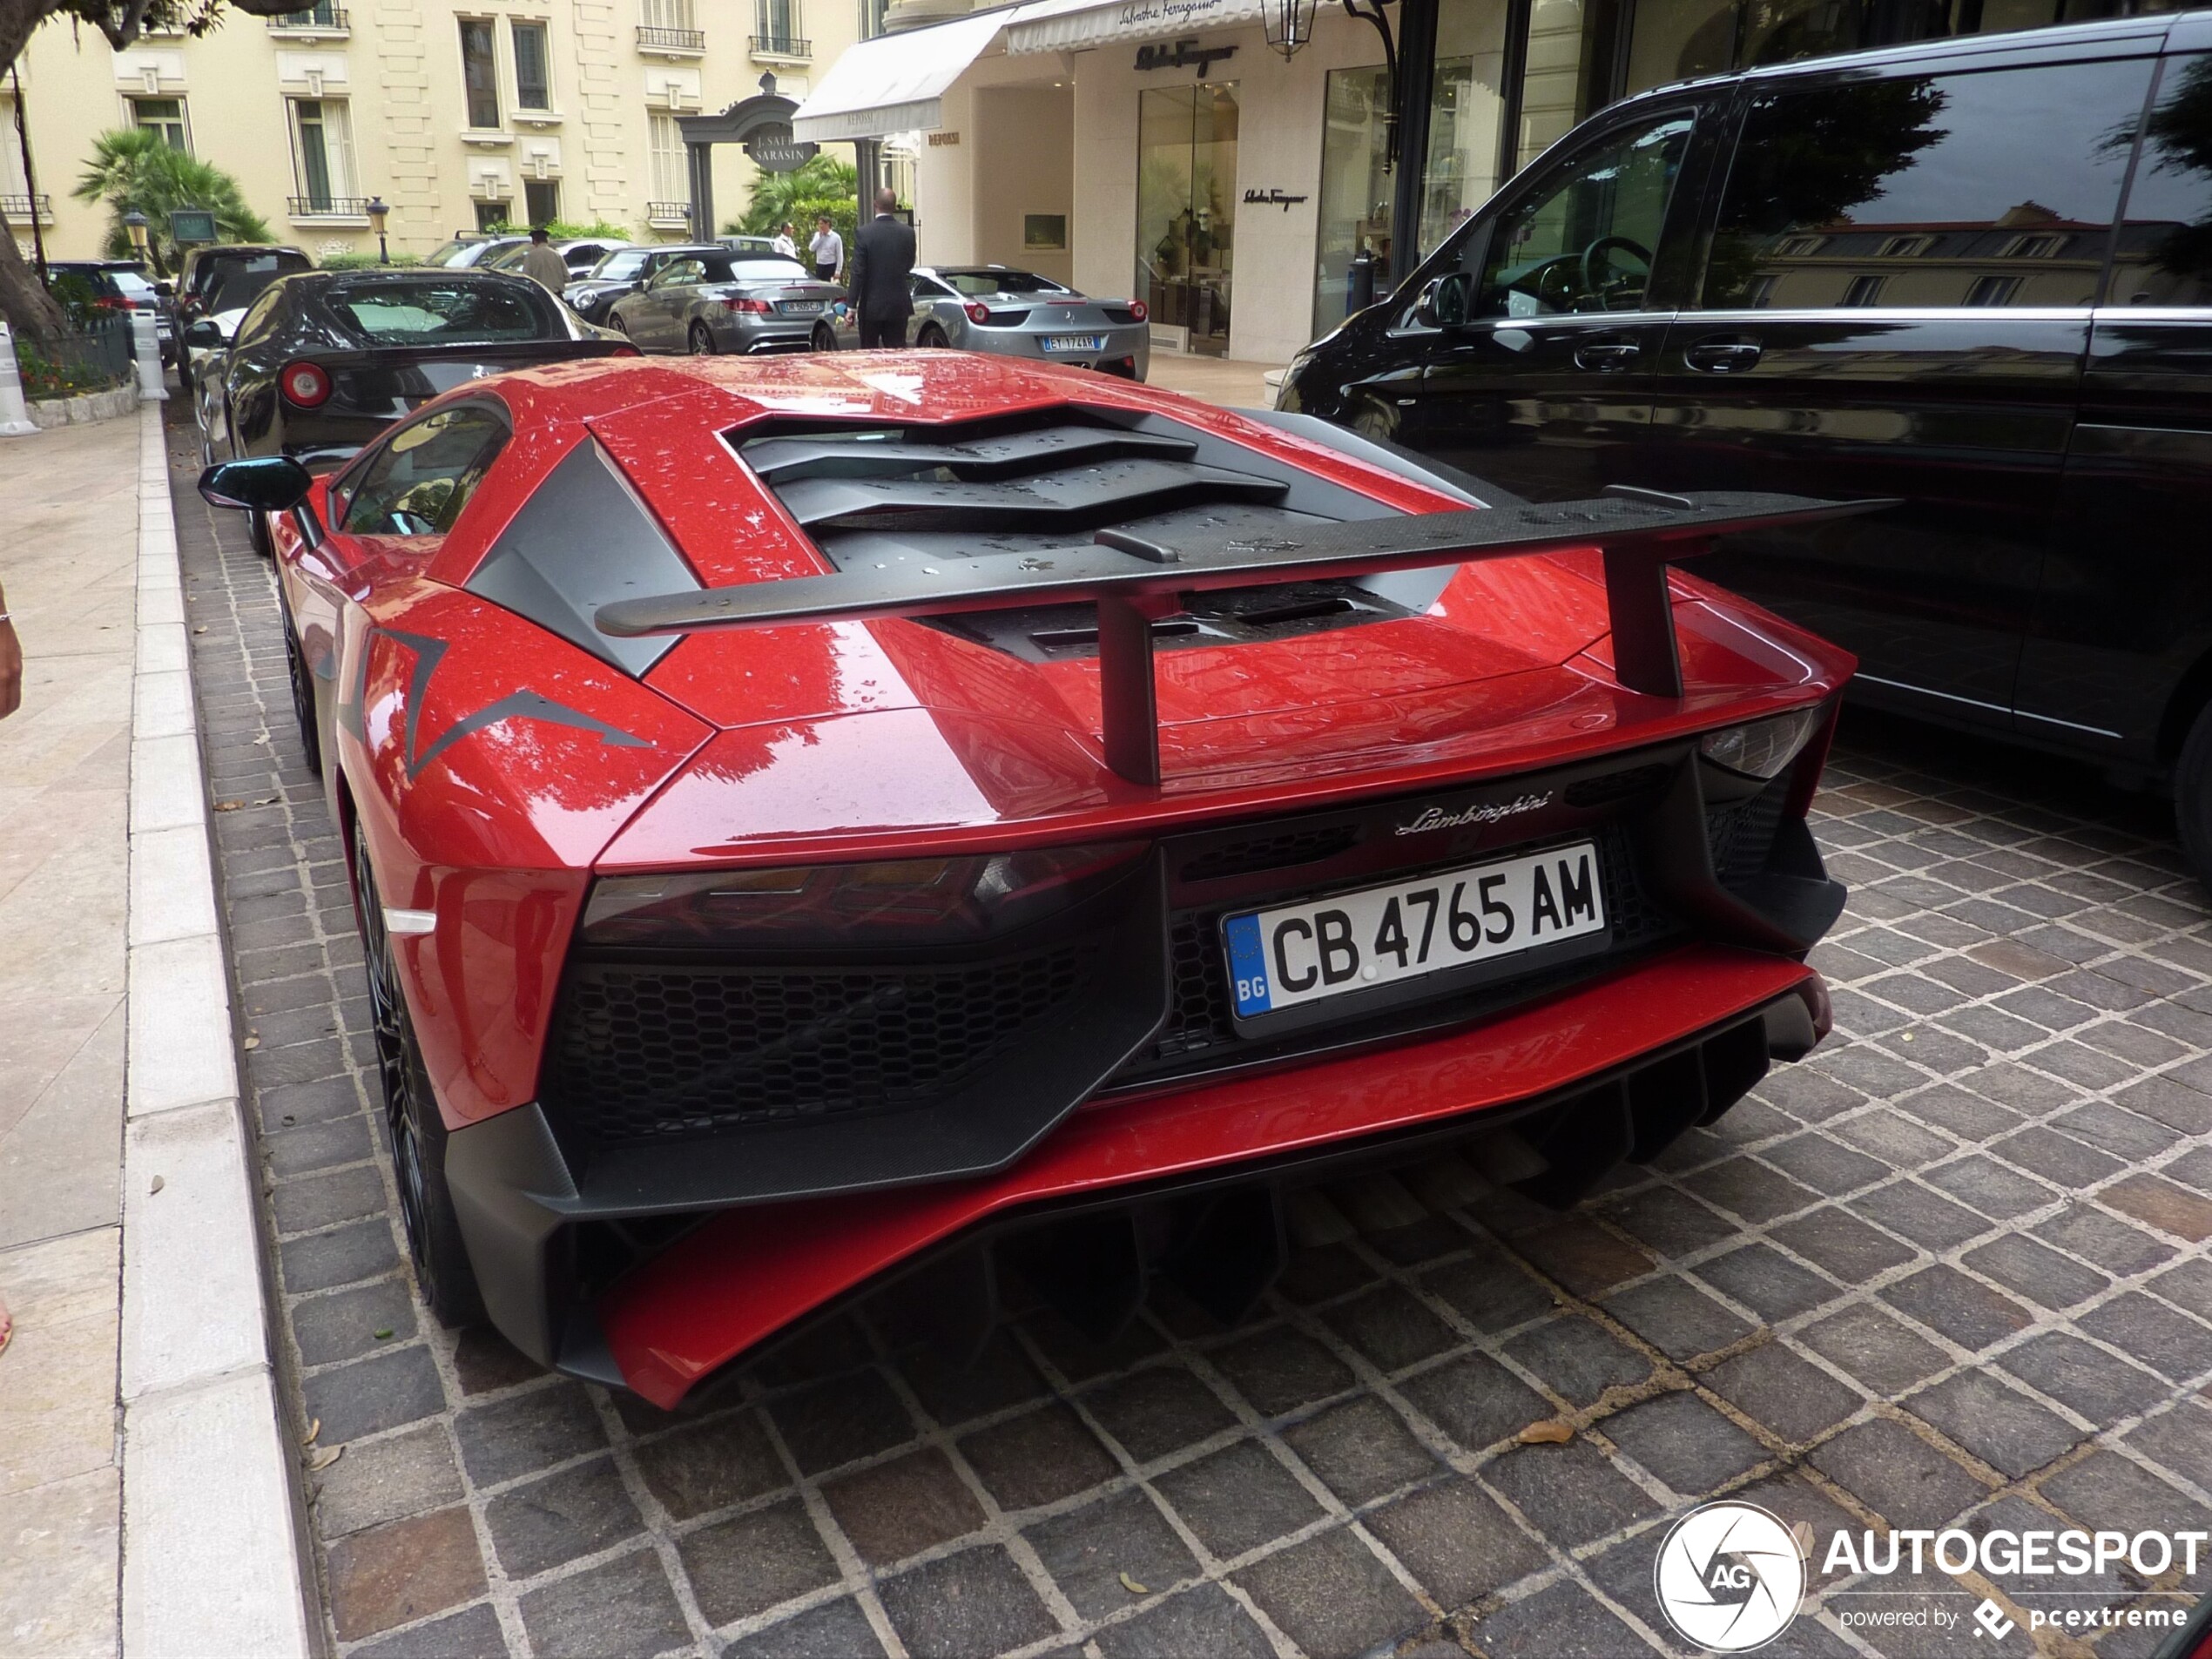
{"x": 562, "y": 230}
{"x": 363, "y": 261}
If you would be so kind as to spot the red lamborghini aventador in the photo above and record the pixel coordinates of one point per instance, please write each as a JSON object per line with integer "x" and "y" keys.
{"x": 827, "y": 825}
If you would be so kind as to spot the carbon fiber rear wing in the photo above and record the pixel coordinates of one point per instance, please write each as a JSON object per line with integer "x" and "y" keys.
{"x": 1134, "y": 581}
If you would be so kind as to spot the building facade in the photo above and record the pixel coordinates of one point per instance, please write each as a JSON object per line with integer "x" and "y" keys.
{"x": 458, "y": 116}
{"x": 1163, "y": 150}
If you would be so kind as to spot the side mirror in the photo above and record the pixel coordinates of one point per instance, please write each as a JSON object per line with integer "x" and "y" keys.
{"x": 166, "y": 290}
{"x": 205, "y": 332}
{"x": 1445, "y": 302}
{"x": 263, "y": 484}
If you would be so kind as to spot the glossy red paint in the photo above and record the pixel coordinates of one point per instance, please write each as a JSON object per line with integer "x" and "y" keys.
{"x": 748, "y": 1273}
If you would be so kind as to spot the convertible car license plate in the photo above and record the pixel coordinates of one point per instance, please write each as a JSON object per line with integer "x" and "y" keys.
{"x": 802, "y": 307}
{"x": 1302, "y": 953}
{"x": 1074, "y": 342}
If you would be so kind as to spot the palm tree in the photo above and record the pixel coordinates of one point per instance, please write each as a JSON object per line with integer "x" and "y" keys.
{"x": 135, "y": 169}
{"x": 823, "y": 185}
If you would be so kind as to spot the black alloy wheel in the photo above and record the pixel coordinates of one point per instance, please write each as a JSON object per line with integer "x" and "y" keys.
{"x": 303, "y": 685}
{"x": 931, "y": 337}
{"x": 442, "y": 1273}
{"x": 702, "y": 340}
{"x": 825, "y": 337}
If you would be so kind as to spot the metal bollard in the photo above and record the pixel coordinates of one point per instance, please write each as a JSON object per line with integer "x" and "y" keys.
{"x": 146, "y": 343}
{"x": 1359, "y": 283}
{"x": 15, "y": 418}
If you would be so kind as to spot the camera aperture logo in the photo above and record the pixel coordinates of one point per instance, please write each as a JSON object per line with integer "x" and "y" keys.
{"x": 1730, "y": 1577}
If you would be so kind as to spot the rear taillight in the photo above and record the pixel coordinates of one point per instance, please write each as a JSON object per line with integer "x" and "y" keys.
{"x": 112, "y": 302}
{"x": 977, "y": 312}
{"x": 1137, "y": 312}
{"x": 753, "y": 307}
{"x": 910, "y": 901}
{"x": 304, "y": 385}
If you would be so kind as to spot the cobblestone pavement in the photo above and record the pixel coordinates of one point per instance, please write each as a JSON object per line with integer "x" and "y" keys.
{"x": 1957, "y": 1265}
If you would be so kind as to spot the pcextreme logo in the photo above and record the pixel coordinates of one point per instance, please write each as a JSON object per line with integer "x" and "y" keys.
{"x": 1729, "y": 1577}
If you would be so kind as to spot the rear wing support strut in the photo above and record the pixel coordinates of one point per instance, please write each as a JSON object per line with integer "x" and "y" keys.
{"x": 1134, "y": 582}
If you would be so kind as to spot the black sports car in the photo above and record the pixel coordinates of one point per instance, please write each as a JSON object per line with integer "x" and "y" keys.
{"x": 325, "y": 360}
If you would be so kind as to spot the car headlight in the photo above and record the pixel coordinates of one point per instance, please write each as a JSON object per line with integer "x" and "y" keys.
{"x": 1762, "y": 748}
{"x": 920, "y": 901}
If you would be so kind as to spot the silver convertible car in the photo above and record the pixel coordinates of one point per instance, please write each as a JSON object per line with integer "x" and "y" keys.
{"x": 995, "y": 308}
{"x": 726, "y": 301}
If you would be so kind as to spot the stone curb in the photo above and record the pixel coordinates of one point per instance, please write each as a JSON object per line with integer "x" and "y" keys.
{"x": 213, "y": 1560}
{"x": 49, "y": 413}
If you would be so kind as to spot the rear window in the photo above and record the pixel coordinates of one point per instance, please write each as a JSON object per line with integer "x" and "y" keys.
{"x": 434, "y": 313}
{"x": 622, "y": 265}
{"x": 237, "y": 282}
{"x": 1000, "y": 282}
{"x": 2165, "y": 253}
{"x": 1989, "y": 189}
{"x": 132, "y": 283}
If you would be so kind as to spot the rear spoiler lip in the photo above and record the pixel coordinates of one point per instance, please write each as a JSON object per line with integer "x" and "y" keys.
{"x": 1133, "y": 581}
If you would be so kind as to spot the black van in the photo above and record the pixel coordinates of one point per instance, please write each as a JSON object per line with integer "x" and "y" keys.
{"x": 1975, "y": 274}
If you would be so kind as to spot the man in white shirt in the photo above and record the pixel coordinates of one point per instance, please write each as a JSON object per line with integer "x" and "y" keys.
{"x": 785, "y": 245}
{"x": 828, "y": 249}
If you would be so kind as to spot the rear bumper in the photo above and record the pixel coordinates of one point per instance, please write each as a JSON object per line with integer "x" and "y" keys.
{"x": 1132, "y": 345}
{"x": 1615, "y": 1068}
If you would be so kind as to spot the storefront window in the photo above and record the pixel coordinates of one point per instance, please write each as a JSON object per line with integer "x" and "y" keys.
{"x": 1464, "y": 112}
{"x": 1355, "y": 191}
{"x": 1186, "y": 213}
{"x": 1572, "y": 45}
{"x": 1673, "y": 42}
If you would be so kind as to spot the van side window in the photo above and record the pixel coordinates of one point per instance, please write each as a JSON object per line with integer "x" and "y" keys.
{"x": 1990, "y": 188}
{"x": 2165, "y": 253}
{"x": 1588, "y": 242}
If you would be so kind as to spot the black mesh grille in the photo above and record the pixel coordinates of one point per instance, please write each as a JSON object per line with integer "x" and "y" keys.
{"x": 1271, "y": 851}
{"x": 660, "y": 1049}
{"x": 1201, "y": 1017}
{"x": 1742, "y": 833}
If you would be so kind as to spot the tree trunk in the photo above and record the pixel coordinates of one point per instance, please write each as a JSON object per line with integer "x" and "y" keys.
{"x": 29, "y": 309}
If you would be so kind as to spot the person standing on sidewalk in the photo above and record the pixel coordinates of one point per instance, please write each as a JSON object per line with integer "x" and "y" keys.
{"x": 828, "y": 251}
{"x": 541, "y": 263}
{"x": 883, "y": 267}
{"x": 785, "y": 243}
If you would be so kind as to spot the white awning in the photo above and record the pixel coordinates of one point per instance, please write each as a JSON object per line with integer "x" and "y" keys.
{"x": 893, "y": 83}
{"x": 1064, "y": 25}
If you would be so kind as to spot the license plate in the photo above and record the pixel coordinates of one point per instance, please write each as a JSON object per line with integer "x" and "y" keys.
{"x": 1074, "y": 342}
{"x": 802, "y": 307}
{"x": 1302, "y": 952}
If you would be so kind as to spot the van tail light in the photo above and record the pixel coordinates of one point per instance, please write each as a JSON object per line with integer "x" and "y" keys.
{"x": 976, "y": 312}
{"x": 752, "y": 307}
{"x": 304, "y": 385}
{"x": 1139, "y": 311}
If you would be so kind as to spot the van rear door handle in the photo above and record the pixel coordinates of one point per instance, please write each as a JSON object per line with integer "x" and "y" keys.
{"x": 1721, "y": 353}
{"x": 1606, "y": 356}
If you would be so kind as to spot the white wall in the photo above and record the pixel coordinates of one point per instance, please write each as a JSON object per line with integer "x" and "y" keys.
{"x": 1025, "y": 156}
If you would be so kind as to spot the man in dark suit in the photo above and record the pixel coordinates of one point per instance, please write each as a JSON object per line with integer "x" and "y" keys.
{"x": 883, "y": 262}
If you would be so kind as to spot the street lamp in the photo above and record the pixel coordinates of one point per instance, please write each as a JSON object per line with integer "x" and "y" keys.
{"x": 135, "y": 222}
{"x": 1287, "y": 24}
{"x": 376, "y": 212}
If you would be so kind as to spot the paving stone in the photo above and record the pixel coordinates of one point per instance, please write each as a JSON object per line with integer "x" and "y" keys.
{"x": 2187, "y": 1284}
{"x": 1238, "y": 1498}
{"x": 484, "y": 1361}
{"x": 893, "y": 1510}
{"x": 577, "y": 1512}
{"x": 1390, "y": 1328}
{"x": 1767, "y": 1282}
{"x": 1788, "y": 1394}
{"x": 1670, "y": 1221}
{"x": 840, "y": 1419}
{"x": 1475, "y": 1400}
{"x": 1684, "y": 1441}
{"x": 2106, "y": 1491}
{"x": 2083, "y": 1230}
{"x": 473, "y": 1633}
{"x": 402, "y": 1571}
{"x": 834, "y": 1630}
{"x": 1361, "y": 1449}
{"x": 1838, "y": 1242}
{"x": 1677, "y": 1317}
{"x": 1280, "y": 1369}
{"x": 1572, "y": 1492}
{"x": 2077, "y": 1374}
{"x": 526, "y": 1432}
{"x": 1087, "y": 1550}
{"x": 2174, "y": 1345}
{"x": 1921, "y": 1215}
{"x": 1157, "y": 1410}
{"x": 1039, "y": 1457}
{"x": 1000, "y": 1377}
{"x": 1949, "y": 1303}
{"x": 974, "y": 1603}
{"x": 1899, "y": 1475}
{"x": 1999, "y": 1425}
{"x": 1490, "y": 1293}
{"x": 1577, "y": 1358}
{"x": 343, "y": 1255}
{"x": 2169, "y": 1207}
{"x": 704, "y": 1466}
{"x": 752, "y": 1563}
{"x": 1879, "y": 1350}
{"x": 1746, "y": 1187}
{"x": 1323, "y": 1272}
{"x": 1564, "y": 1622}
{"x": 307, "y": 1203}
{"x": 2035, "y": 1271}
{"x": 1205, "y": 1621}
{"x": 1332, "y": 1596}
{"x": 387, "y": 1480}
{"x": 343, "y": 1325}
{"x": 1582, "y": 1256}
{"x": 369, "y": 1396}
{"x": 623, "y": 1606}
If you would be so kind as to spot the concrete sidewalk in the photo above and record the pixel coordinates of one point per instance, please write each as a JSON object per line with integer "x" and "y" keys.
{"x": 147, "y": 1498}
